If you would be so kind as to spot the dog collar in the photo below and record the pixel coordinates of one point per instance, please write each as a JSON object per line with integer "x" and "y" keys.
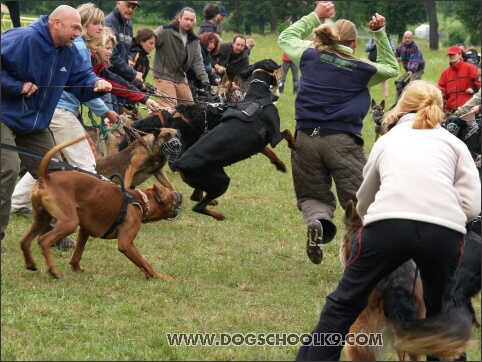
{"x": 146, "y": 202}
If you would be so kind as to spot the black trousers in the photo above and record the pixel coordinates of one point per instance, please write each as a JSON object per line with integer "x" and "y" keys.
{"x": 383, "y": 247}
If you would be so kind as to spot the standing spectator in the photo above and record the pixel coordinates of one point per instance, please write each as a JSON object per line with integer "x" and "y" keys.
{"x": 371, "y": 49}
{"x": 410, "y": 55}
{"x": 463, "y": 47}
{"x": 14, "y": 10}
{"x": 119, "y": 21}
{"x": 473, "y": 57}
{"x": 329, "y": 119}
{"x": 210, "y": 13}
{"x": 209, "y": 45}
{"x": 144, "y": 44}
{"x": 286, "y": 66}
{"x": 177, "y": 50}
{"x": 250, "y": 44}
{"x": 232, "y": 57}
{"x": 28, "y": 103}
{"x": 65, "y": 123}
{"x": 121, "y": 88}
{"x": 459, "y": 81}
{"x": 220, "y": 20}
{"x": 401, "y": 220}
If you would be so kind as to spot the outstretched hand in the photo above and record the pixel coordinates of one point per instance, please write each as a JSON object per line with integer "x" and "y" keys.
{"x": 377, "y": 22}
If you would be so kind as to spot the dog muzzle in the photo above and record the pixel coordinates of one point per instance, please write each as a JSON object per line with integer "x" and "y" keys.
{"x": 172, "y": 149}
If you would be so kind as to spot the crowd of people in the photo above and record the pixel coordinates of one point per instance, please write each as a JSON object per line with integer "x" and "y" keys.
{"x": 108, "y": 66}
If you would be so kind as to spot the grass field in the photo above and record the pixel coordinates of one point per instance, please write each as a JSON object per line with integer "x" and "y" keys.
{"x": 247, "y": 274}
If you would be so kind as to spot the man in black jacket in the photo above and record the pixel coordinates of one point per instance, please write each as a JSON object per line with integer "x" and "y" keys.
{"x": 119, "y": 21}
{"x": 232, "y": 57}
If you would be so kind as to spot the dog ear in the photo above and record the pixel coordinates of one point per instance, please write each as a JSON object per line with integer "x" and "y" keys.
{"x": 382, "y": 104}
{"x": 349, "y": 212}
{"x": 270, "y": 65}
{"x": 373, "y": 103}
{"x": 245, "y": 73}
{"x": 156, "y": 132}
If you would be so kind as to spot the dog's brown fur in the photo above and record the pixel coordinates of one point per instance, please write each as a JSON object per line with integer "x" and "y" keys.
{"x": 395, "y": 308}
{"x": 137, "y": 162}
{"x": 78, "y": 199}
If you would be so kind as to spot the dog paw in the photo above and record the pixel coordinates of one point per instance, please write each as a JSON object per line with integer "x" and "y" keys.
{"x": 77, "y": 267}
{"x": 161, "y": 276}
{"x": 32, "y": 267}
{"x": 54, "y": 272}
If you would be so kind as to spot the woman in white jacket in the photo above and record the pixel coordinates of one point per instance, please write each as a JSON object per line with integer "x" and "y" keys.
{"x": 420, "y": 188}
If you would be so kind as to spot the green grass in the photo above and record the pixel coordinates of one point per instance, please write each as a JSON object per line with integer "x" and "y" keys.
{"x": 249, "y": 273}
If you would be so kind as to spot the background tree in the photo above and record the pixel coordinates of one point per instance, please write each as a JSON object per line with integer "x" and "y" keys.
{"x": 432, "y": 20}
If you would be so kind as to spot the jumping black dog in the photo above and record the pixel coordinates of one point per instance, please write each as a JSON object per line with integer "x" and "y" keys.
{"x": 246, "y": 128}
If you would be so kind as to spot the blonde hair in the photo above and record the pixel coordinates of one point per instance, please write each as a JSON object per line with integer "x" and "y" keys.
{"x": 90, "y": 14}
{"x": 421, "y": 97}
{"x": 107, "y": 36}
{"x": 342, "y": 32}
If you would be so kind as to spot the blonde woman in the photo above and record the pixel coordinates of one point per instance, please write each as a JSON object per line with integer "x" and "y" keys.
{"x": 120, "y": 87}
{"x": 420, "y": 188}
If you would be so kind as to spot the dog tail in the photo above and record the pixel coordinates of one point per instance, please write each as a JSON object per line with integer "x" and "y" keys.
{"x": 44, "y": 164}
{"x": 445, "y": 336}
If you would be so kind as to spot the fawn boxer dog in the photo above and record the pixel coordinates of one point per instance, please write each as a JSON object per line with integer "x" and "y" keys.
{"x": 101, "y": 209}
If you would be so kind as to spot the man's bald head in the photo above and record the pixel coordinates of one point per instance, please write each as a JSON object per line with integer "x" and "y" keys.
{"x": 64, "y": 25}
{"x": 408, "y": 37}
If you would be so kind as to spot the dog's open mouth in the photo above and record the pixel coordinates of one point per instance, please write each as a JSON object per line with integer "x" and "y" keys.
{"x": 172, "y": 149}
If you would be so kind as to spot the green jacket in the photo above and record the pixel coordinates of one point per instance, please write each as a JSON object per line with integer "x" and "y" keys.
{"x": 172, "y": 59}
{"x": 292, "y": 42}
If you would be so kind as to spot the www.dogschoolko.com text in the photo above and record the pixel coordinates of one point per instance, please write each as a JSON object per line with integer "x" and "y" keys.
{"x": 274, "y": 339}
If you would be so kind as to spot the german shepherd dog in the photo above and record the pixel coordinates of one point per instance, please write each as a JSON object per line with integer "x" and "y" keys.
{"x": 377, "y": 116}
{"x": 396, "y": 309}
{"x": 246, "y": 128}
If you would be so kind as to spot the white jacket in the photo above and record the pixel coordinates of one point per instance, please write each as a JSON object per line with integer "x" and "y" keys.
{"x": 425, "y": 175}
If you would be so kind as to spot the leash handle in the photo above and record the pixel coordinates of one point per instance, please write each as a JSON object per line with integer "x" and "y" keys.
{"x": 102, "y": 128}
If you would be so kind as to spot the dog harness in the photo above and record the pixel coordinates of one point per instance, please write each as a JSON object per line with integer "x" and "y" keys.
{"x": 129, "y": 198}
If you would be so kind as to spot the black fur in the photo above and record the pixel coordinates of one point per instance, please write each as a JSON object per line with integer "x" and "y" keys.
{"x": 468, "y": 279}
{"x": 237, "y": 137}
{"x": 202, "y": 117}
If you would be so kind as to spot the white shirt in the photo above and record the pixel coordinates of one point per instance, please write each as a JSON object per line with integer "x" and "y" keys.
{"x": 420, "y": 174}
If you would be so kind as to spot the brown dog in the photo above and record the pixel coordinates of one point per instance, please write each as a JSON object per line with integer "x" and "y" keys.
{"x": 144, "y": 158}
{"x": 101, "y": 209}
{"x": 396, "y": 308}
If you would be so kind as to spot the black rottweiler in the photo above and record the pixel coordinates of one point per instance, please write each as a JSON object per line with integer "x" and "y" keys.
{"x": 246, "y": 128}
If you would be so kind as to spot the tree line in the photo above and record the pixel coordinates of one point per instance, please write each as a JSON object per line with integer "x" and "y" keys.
{"x": 250, "y": 16}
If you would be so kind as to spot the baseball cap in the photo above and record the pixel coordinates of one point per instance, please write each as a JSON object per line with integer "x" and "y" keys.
{"x": 454, "y": 50}
{"x": 134, "y": 2}
{"x": 223, "y": 11}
